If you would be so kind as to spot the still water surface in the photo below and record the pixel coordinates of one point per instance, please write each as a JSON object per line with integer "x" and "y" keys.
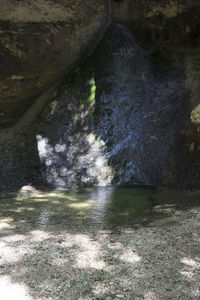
{"x": 102, "y": 207}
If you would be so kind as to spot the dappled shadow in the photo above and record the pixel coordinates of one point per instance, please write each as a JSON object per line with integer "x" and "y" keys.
{"x": 169, "y": 199}
{"x": 65, "y": 250}
{"x": 102, "y": 207}
{"x": 161, "y": 262}
{"x": 48, "y": 252}
{"x": 114, "y": 119}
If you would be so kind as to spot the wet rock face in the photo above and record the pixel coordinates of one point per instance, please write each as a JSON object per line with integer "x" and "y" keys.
{"x": 120, "y": 117}
{"x": 123, "y": 116}
{"x": 39, "y": 42}
{"x": 160, "y": 21}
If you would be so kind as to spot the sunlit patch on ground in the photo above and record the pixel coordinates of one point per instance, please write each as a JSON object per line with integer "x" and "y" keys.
{"x": 39, "y": 235}
{"x": 10, "y": 290}
{"x": 89, "y": 253}
{"x": 71, "y": 245}
{"x": 13, "y": 248}
{"x": 150, "y": 296}
{"x": 191, "y": 271}
{"x": 4, "y": 226}
{"x": 130, "y": 256}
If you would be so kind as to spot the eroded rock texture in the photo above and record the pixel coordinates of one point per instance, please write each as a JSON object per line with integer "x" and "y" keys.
{"x": 160, "y": 22}
{"x": 121, "y": 117}
{"x": 39, "y": 42}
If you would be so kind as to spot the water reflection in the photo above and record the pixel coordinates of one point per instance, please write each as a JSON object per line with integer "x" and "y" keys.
{"x": 104, "y": 207}
{"x": 101, "y": 198}
{"x": 127, "y": 204}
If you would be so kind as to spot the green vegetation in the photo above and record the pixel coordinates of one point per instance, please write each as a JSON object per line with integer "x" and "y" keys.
{"x": 91, "y": 96}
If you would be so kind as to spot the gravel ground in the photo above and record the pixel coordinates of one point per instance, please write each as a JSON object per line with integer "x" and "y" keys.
{"x": 156, "y": 258}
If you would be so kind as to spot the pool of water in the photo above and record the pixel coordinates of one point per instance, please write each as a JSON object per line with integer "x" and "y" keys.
{"x": 102, "y": 207}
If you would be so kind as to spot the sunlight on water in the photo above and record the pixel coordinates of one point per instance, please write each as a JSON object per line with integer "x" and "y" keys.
{"x": 104, "y": 207}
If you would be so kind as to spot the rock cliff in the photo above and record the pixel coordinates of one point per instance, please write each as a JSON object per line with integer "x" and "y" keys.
{"x": 124, "y": 113}
{"x": 39, "y": 42}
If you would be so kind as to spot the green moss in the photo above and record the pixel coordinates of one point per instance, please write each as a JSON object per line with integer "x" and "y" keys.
{"x": 91, "y": 96}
